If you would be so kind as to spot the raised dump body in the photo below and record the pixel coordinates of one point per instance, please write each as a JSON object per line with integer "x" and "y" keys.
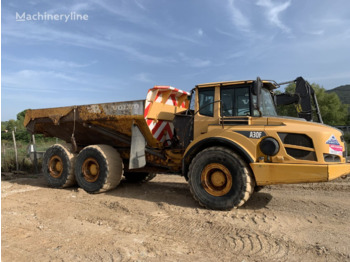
{"x": 76, "y": 121}
{"x": 112, "y": 123}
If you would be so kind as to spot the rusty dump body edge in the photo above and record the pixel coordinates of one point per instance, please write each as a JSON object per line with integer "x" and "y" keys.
{"x": 86, "y": 121}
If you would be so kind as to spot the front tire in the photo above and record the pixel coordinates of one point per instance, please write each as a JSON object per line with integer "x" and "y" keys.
{"x": 219, "y": 179}
{"x": 58, "y": 166}
{"x": 98, "y": 168}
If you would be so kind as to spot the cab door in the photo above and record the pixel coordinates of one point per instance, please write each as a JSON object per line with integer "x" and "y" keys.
{"x": 207, "y": 108}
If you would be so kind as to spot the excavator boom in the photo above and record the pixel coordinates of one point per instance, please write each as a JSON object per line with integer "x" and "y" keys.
{"x": 304, "y": 99}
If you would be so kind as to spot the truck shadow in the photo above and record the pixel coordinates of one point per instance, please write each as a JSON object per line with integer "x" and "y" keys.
{"x": 172, "y": 193}
{"x": 175, "y": 193}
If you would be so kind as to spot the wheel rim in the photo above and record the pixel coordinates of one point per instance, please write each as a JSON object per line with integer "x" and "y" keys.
{"x": 216, "y": 179}
{"x": 55, "y": 166}
{"x": 91, "y": 170}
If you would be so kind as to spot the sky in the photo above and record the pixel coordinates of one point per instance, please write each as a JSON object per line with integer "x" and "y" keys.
{"x": 118, "y": 49}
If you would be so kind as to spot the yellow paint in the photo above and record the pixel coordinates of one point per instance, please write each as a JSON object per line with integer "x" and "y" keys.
{"x": 277, "y": 173}
{"x": 54, "y": 114}
{"x": 335, "y": 171}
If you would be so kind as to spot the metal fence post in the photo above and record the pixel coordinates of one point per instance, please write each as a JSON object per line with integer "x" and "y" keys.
{"x": 35, "y": 156}
{"x": 3, "y": 158}
{"x": 14, "y": 143}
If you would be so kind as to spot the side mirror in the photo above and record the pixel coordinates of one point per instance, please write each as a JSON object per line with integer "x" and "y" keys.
{"x": 258, "y": 84}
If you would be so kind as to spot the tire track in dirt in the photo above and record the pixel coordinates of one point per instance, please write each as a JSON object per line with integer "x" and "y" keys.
{"x": 240, "y": 241}
{"x": 166, "y": 225}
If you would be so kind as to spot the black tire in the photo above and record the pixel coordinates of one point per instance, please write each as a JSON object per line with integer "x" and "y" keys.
{"x": 219, "y": 179}
{"x": 135, "y": 177}
{"x": 58, "y": 166}
{"x": 98, "y": 168}
{"x": 258, "y": 188}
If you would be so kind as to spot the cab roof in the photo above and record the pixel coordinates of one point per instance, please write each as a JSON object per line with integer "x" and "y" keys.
{"x": 269, "y": 84}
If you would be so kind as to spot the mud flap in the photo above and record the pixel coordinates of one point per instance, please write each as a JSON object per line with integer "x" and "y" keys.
{"x": 137, "y": 151}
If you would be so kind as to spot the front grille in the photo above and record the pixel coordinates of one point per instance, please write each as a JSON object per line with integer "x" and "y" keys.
{"x": 296, "y": 139}
{"x": 301, "y": 154}
{"x": 331, "y": 158}
{"x": 291, "y": 141}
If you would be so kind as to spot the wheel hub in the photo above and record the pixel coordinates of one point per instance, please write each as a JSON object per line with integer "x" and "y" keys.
{"x": 216, "y": 179}
{"x": 55, "y": 166}
{"x": 91, "y": 170}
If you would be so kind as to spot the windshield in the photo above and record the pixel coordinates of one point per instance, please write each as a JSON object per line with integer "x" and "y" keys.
{"x": 267, "y": 106}
{"x": 236, "y": 101}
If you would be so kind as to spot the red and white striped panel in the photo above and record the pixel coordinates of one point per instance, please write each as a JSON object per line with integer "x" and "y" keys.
{"x": 162, "y": 130}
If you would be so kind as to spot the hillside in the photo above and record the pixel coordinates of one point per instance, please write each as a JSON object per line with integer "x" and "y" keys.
{"x": 343, "y": 92}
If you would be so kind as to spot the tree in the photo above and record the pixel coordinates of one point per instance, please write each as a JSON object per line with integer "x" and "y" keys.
{"x": 15, "y": 125}
{"x": 3, "y": 126}
{"x": 332, "y": 110}
{"x": 11, "y": 125}
{"x": 21, "y": 115}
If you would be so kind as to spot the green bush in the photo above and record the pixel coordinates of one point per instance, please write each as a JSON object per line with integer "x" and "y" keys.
{"x": 8, "y": 157}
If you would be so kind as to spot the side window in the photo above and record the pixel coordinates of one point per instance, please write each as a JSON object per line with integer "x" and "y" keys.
{"x": 235, "y": 101}
{"x": 206, "y": 99}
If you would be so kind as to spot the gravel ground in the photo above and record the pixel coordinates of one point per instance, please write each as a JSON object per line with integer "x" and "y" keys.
{"x": 160, "y": 221}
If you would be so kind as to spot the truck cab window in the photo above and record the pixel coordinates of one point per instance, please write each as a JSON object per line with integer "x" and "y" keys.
{"x": 206, "y": 99}
{"x": 267, "y": 106}
{"x": 235, "y": 101}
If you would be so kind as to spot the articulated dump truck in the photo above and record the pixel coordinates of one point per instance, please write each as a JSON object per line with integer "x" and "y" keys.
{"x": 225, "y": 138}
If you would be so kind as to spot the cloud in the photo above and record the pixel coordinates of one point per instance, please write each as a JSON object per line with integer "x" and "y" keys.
{"x": 318, "y": 32}
{"x": 333, "y": 21}
{"x": 182, "y": 38}
{"x": 55, "y": 81}
{"x": 236, "y": 55}
{"x": 37, "y": 80}
{"x": 78, "y": 8}
{"x": 47, "y": 63}
{"x": 127, "y": 10}
{"x": 144, "y": 77}
{"x": 332, "y": 76}
{"x": 200, "y": 32}
{"x": 37, "y": 32}
{"x": 194, "y": 62}
{"x": 238, "y": 19}
{"x": 140, "y": 5}
{"x": 273, "y": 12}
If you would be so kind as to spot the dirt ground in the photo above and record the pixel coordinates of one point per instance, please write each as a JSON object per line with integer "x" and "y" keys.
{"x": 160, "y": 221}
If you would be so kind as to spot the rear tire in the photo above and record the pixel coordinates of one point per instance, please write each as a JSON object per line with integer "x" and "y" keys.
{"x": 141, "y": 177}
{"x": 98, "y": 168}
{"x": 219, "y": 179}
{"x": 58, "y": 166}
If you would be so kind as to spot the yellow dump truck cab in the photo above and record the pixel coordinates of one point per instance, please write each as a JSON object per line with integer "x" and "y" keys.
{"x": 264, "y": 147}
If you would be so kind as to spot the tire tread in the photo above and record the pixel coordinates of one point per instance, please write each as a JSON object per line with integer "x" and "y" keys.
{"x": 70, "y": 180}
{"x": 114, "y": 165}
{"x": 249, "y": 185}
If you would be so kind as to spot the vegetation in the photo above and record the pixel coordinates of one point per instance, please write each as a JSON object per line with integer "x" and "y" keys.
{"x": 334, "y": 106}
{"x": 20, "y": 131}
{"x": 23, "y": 139}
{"x": 343, "y": 92}
{"x": 333, "y": 111}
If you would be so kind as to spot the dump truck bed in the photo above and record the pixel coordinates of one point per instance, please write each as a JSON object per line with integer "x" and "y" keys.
{"x": 111, "y": 123}
{"x": 91, "y": 124}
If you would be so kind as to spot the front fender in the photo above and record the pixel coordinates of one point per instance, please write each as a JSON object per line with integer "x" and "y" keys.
{"x": 209, "y": 140}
